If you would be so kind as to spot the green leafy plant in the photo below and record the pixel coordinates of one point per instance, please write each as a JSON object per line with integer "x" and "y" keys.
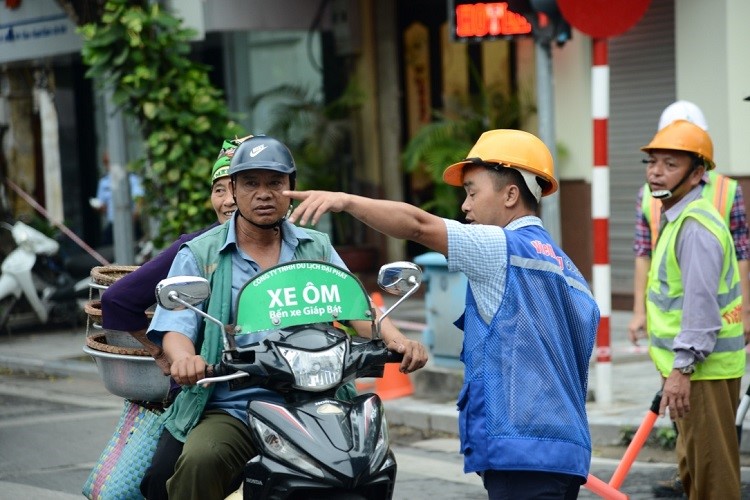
{"x": 319, "y": 135}
{"x": 141, "y": 52}
{"x": 666, "y": 438}
{"x": 452, "y": 134}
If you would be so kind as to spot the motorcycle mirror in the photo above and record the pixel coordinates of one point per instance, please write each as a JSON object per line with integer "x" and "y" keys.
{"x": 399, "y": 278}
{"x": 178, "y": 292}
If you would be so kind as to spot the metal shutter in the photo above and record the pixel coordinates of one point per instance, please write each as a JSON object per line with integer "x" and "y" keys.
{"x": 642, "y": 84}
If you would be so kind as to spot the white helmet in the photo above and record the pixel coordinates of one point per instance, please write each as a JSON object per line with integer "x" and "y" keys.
{"x": 683, "y": 110}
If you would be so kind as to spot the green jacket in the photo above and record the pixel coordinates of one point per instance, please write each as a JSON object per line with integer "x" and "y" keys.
{"x": 216, "y": 266}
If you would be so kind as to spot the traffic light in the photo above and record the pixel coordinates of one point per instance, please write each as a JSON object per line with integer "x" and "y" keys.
{"x": 557, "y": 28}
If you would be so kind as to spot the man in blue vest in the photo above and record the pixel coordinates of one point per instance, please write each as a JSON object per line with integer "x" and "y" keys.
{"x": 694, "y": 313}
{"x": 530, "y": 319}
{"x": 206, "y": 441}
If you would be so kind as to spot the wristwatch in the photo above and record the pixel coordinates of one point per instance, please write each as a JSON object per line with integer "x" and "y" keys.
{"x": 687, "y": 370}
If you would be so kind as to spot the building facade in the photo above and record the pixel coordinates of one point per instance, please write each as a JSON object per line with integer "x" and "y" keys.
{"x": 401, "y": 55}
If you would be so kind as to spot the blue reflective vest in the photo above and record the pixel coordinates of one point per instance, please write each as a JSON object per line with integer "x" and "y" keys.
{"x": 523, "y": 403}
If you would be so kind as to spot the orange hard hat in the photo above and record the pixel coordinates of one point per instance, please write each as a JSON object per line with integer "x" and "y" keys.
{"x": 682, "y": 135}
{"x": 511, "y": 148}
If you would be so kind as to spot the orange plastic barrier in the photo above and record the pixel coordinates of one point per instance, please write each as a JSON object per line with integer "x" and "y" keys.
{"x": 604, "y": 490}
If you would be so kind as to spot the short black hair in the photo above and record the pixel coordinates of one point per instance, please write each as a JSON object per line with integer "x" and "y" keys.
{"x": 508, "y": 175}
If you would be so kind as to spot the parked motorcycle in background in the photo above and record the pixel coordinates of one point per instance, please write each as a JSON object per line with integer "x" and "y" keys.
{"x": 35, "y": 289}
{"x": 312, "y": 445}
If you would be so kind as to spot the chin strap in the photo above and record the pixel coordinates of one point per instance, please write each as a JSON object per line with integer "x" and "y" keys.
{"x": 273, "y": 225}
{"x": 665, "y": 194}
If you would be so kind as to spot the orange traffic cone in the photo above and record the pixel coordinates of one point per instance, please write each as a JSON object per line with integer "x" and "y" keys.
{"x": 365, "y": 385}
{"x": 393, "y": 384}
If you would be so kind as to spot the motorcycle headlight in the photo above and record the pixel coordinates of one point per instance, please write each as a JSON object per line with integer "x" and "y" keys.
{"x": 276, "y": 446}
{"x": 316, "y": 371}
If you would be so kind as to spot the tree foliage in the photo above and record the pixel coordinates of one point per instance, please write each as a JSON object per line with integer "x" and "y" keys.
{"x": 451, "y": 135}
{"x": 141, "y": 52}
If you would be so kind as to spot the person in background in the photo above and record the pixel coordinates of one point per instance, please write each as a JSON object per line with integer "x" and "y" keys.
{"x": 104, "y": 202}
{"x": 206, "y": 441}
{"x": 124, "y": 302}
{"x": 726, "y": 196}
{"x": 530, "y": 319}
{"x": 693, "y": 313}
{"x": 723, "y": 192}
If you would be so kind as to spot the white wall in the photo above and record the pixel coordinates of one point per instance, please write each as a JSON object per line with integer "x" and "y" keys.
{"x": 713, "y": 70}
{"x": 573, "y": 121}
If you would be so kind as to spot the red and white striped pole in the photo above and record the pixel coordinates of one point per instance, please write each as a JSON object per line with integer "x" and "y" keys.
{"x": 600, "y": 216}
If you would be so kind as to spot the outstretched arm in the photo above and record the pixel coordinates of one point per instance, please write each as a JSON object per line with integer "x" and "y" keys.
{"x": 393, "y": 218}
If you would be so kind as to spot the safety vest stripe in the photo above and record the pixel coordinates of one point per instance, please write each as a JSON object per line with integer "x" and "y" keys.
{"x": 723, "y": 344}
{"x": 721, "y": 194}
{"x": 541, "y": 265}
{"x": 665, "y": 302}
{"x": 655, "y": 214}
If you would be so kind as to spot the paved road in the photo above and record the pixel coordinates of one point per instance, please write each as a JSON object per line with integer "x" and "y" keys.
{"x": 52, "y": 430}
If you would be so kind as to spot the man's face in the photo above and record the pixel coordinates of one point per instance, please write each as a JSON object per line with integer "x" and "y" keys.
{"x": 483, "y": 204}
{"x": 258, "y": 195}
{"x": 222, "y": 199}
{"x": 666, "y": 168}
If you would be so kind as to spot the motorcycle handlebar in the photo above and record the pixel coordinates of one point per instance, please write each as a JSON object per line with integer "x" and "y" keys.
{"x": 214, "y": 370}
{"x": 219, "y": 373}
{"x": 393, "y": 357}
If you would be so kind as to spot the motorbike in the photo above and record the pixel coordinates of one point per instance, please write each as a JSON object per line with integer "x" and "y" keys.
{"x": 314, "y": 444}
{"x": 35, "y": 288}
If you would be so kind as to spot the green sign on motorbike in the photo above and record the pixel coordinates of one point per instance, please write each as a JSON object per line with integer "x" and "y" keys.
{"x": 299, "y": 293}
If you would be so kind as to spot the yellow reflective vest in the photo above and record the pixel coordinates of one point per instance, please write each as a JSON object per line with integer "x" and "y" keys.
{"x": 665, "y": 295}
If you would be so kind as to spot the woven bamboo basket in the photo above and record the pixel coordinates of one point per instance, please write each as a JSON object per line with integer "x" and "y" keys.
{"x": 101, "y": 278}
{"x": 106, "y": 275}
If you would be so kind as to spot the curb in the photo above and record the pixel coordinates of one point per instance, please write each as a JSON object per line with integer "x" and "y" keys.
{"x": 48, "y": 367}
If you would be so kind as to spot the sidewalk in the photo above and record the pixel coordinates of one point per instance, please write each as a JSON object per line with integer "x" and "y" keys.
{"x": 634, "y": 380}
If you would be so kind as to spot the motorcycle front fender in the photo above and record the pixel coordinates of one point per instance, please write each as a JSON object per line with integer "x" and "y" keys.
{"x": 340, "y": 435}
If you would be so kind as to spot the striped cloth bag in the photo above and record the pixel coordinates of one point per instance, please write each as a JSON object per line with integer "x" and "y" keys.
{"x": 118, "y": 473}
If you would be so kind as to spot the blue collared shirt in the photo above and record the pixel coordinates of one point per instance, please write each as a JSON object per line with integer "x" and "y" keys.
{"x": 481, "y": 253}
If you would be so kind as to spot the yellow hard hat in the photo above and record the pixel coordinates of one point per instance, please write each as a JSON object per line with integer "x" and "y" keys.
{"x": 682, "y": 135}
{"x": 511, "y": 148}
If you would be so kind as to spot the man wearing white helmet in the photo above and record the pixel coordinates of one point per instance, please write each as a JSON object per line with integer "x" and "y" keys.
{"x": 726, "y": 196}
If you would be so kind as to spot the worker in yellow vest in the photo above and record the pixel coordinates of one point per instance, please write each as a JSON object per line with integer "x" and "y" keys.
{"x": 693, "y": 313}
{"x": 724, "y": 193}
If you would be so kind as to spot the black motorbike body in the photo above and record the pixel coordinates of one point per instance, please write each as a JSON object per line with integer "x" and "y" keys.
{"x": 342, "y": 437}
{"x": 319, "y": 439}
